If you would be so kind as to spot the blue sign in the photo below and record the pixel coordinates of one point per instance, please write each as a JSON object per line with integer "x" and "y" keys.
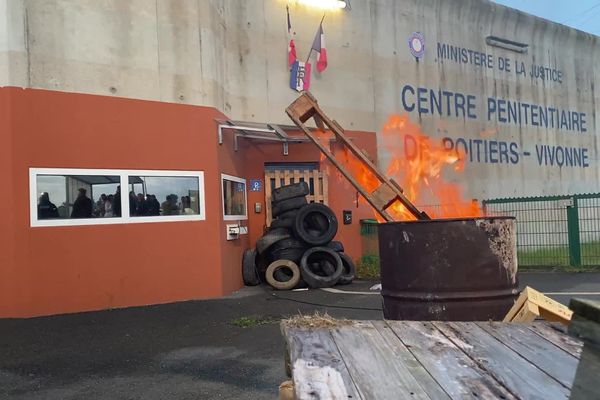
{"x": 255, "y": 185}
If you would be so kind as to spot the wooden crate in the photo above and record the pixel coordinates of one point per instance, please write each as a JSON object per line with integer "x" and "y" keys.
{"x": 277, "y": 178}
{"x": 532, "y": 304}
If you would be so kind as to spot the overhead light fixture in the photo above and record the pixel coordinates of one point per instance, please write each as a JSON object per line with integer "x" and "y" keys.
{"x": 506, "y": 44}
{"x": 325, "y": 4}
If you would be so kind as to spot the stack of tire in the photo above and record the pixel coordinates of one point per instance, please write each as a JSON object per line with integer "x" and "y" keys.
{"x": 298, "y": 250}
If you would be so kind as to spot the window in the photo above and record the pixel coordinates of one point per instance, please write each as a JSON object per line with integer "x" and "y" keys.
{"x": 60, "y": 197}
{"x": 234, "y": 198}
{"x": 164, "y": 196}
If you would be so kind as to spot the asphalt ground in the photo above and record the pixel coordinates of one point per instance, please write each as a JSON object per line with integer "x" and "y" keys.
{"x": 188, "y": 350}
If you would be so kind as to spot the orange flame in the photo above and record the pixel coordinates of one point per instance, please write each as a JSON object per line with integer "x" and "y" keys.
{"x": 417, "y": 162}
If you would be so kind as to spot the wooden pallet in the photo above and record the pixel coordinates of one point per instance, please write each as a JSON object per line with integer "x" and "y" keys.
{"x": 277, "y": 178}
{"x": 365, "y": 360}
{"x": 387, "y": 193}
{"x": 532, "y": 304}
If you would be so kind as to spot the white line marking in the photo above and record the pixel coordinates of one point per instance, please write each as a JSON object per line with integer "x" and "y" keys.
{"x": 573, "y": 293}
{"x": 338, "y": 291}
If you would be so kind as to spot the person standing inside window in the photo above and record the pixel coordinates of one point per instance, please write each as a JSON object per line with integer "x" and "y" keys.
{"x": 46, "y": 209}
{"x": 82, "y": 208}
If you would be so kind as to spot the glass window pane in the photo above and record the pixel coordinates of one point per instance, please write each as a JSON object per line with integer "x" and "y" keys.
{"x": 77, "y": 196}
{"x": 163, "y": 195}
{"x": 234, "y": 197}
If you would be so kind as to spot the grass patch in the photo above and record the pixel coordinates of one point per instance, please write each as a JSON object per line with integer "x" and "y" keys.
{"x": 317, "y": 320}
{"x": 557, "y": 258}
{"x": 368, "y": 267}
{"x": 253, "y": 320}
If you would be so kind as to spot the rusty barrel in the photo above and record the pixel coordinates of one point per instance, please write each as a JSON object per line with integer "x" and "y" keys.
{"x": 462, "y": 269}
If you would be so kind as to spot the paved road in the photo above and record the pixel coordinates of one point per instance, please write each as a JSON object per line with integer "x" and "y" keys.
{"x": 188, "y": 350}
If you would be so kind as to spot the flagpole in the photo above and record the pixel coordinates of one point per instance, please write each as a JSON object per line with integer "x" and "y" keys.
{"x": 311, "y": 49}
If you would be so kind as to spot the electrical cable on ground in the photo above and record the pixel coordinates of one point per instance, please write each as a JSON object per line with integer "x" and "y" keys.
{"x": 262, "y": 286}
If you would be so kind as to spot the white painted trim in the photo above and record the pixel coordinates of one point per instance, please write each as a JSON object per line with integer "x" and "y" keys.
{"x": 124, "y": 176}
{"x": 240, "y": 180}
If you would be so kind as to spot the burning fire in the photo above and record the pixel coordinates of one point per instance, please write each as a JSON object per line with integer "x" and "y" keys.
{"x": 417, "y": 164}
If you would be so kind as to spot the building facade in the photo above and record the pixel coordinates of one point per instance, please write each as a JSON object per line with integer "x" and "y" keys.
{"x": 100, "y": 94}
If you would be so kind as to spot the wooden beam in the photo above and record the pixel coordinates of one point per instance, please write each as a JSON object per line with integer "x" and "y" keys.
{"x": 305, "y": 107}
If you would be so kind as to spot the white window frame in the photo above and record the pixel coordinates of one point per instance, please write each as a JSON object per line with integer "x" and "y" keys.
{"x": 124, "y": 175}
{"x": 240, "y": 180}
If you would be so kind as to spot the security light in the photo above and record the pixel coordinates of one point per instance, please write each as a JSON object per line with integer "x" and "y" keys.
{"x": 325, "y": 4}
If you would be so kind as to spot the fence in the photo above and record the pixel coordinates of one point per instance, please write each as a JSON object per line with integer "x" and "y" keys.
{"x": 554, "y": 230}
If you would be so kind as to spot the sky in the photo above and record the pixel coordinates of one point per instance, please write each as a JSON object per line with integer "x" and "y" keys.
{"x": 580, "y": 14}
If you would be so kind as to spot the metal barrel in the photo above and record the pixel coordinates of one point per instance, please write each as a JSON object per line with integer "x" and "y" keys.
{"x": 462, "y": 269}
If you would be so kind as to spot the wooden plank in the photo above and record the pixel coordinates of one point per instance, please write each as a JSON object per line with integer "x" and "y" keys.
{"x": 457, "y": 374}
{"x": 557, "y": 335}
{"x": 551, "y": 359}
{"x": 298, "y": 111}
{"x": 268, "y": 176}
{"x": 318, "y": 370}
{"x": 277, "y": 179}
{"x": 306, "y": 178}
{"x": 286, "y": 178}
{"x": 373, "y": 368}
{"x": 340, "y": 167}
{"x": 401, "y": 353}
{"x": 528, "y": 313}
{"x": 325, "y": 188}
{"x": 516, "y": 307}
{"x": 523, "y": 378}
{"x": 384, "y": 196}
{"x": 318, "y": 191}
{"x": 548, "y": 308}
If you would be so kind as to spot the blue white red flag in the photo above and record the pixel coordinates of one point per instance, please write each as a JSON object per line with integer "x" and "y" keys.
{"x": 319, "y": 46}
{"x": 300, "y": 76}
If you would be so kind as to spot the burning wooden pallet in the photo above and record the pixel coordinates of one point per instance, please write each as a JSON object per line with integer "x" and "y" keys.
{"x": 387, "y": 193}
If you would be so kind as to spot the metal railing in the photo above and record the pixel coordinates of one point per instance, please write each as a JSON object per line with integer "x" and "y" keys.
{"x": 554, "y": 230}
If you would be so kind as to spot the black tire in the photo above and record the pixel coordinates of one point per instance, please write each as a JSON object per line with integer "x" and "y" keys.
{"x": 272, "y": 237}
{"x": 349, "y": 270}
{"x": 288, "y": 205}
{"x": 336, "y": 246}
{"x": 328, "y": 268}
{"x": 318, "y": 279}
{"x": 249, "y": 270}
{"x": 287, "y": 284}
{"x": 305, "y": 226}
{"x": 288, "y": 214}
{"x": 282, "y": 223}
{"x": 293, "y": 254}
{"x": 283, "y": 275}
{"x": 288, "y": 243}
{"x": 287, "y": 249}
{"x": 290, "y": 191}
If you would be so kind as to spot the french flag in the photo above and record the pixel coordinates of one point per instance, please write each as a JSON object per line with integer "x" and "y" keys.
{"x": 292, "y": 46}
{"x": 291, "y": 53}
{"x": 319, "y": 46}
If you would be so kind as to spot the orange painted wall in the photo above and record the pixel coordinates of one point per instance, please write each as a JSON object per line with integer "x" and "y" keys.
{"x": 7, "y": 210}
{"x": 52, "y": 270}
{"x": 231, "y": 163}
{"x": 69, "y": 269}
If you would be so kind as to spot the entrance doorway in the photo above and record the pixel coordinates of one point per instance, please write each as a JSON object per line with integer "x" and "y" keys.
{"x": 279, "y": 174}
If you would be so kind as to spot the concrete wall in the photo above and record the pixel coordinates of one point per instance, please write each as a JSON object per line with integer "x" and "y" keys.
{"x": 232, "y": 55}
